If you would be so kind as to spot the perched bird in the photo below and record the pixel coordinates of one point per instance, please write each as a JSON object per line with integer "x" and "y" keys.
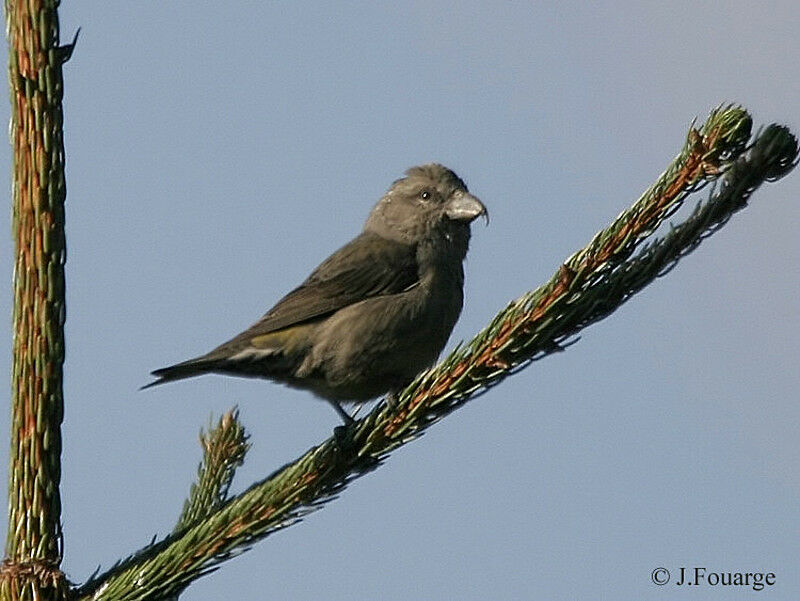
{"x": 376, "y": 312}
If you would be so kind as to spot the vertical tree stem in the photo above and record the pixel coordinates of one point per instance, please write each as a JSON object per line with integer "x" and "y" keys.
{"x": 39, "y": 191}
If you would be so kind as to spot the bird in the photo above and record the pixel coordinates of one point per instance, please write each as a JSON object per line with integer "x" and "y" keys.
{"x": 375, "y": 313}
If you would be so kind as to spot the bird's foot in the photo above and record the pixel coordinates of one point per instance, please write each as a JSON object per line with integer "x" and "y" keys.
{"x": 343, "y": 437}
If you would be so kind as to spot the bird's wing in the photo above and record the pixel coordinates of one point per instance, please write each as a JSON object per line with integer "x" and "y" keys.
{"x": 368, "y": 266}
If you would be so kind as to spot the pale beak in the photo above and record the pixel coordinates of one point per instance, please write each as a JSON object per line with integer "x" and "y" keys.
{"x": 463, "y": 206}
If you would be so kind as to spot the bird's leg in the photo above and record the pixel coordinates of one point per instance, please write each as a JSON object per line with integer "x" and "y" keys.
{"x": 342, "y": 433}
{"x": 346, "y": 418}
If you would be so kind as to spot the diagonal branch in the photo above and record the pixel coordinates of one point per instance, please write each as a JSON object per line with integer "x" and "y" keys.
{"x": 589, "y": 286}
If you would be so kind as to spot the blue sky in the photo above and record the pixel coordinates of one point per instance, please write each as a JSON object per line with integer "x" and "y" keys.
{"x": 215, "y": 156}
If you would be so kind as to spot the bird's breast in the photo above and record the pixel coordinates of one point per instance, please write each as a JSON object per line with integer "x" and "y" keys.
{"x": 387, "y": 339}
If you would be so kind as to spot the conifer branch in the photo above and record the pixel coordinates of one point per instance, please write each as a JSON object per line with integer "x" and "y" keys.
{"x": 590, "y": 285}
{"x": 224, "y": 447}
{"x": 31, "y": 568}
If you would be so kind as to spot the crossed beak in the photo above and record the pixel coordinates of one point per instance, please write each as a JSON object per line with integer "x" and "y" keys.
{"x": 463, "y": 206}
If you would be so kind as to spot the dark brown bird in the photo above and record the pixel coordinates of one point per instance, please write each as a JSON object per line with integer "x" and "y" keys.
{"x": 373, "y": 314}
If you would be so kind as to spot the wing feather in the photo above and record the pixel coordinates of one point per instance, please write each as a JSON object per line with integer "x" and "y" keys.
{"x": 366, "y": 267}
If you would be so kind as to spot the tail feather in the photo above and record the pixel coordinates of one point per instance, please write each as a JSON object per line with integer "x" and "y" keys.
{"x": 181, "y": 371}
{"x": 250, "y": 362}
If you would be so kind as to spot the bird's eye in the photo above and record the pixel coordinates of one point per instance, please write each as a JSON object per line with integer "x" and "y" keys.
{"x": 425, "y": 195}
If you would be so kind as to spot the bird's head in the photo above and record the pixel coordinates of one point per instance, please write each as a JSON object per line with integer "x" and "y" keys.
{"x": 430, "y": 200}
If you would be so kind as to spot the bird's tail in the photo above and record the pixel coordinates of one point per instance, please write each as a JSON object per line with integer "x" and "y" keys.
{"x": 180, "y": 371}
